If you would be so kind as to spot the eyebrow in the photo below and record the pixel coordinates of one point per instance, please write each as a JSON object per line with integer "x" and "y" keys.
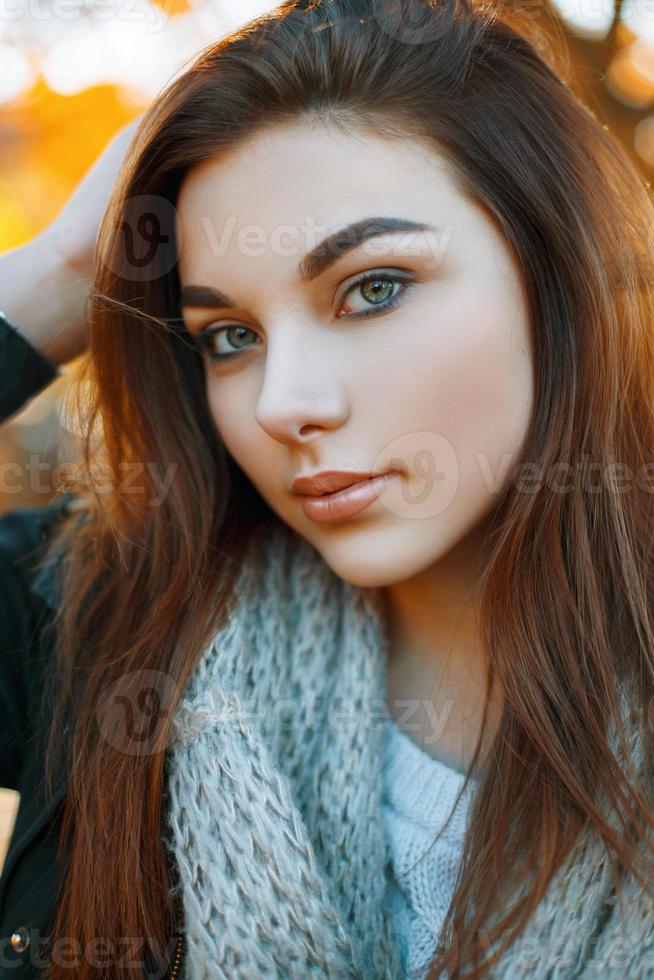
{"x": 317, "y": 261}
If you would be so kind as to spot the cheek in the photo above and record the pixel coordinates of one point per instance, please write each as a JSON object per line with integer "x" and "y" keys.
{"x": 232, "y": 415}
{"x": 482, "y": 398}
{"x": 468, "y": 379}
{"x": 257, "y": 454}
{"x": 468, "y": 375}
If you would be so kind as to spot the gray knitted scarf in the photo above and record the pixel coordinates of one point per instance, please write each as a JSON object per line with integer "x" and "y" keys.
{"x": 274, "y": 781}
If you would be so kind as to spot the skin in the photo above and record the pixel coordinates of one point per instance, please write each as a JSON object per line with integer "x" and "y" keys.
{"x": 442, "y": 384}
{"x": 59, "y": 262}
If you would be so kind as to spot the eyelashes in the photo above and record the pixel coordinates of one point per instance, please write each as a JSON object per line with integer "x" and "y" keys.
{"x": 375, "y": 277}
{"x": 207, "y": 337}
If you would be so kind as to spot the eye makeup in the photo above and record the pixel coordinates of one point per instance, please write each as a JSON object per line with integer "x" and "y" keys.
{"x": 206, "y": 337}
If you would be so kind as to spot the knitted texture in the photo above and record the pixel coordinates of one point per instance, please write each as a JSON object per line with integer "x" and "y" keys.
{"x": 274, "y": 779}
{"x": 419, "y": 795}
{"x": 273, "y": 814}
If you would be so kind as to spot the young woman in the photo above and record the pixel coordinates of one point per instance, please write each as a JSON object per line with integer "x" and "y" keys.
{"x": 340, "y": 643}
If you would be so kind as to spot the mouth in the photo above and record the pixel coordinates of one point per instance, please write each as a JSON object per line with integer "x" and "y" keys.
{"x": 354, "y": 483}
{"x": 348, "y": 501}
{"x": 328, "y": 482}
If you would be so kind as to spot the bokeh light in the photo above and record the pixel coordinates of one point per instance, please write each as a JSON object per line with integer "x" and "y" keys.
{"x": 588, "y": 18}
{"x": 638, "y": 17}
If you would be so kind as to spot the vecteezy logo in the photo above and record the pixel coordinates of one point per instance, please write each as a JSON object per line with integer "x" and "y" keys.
{"x": 134, "y": 709}
{"x": 413, "y": 21}
{"x": 146, "y": 240}
{"x": 432, "y": 475}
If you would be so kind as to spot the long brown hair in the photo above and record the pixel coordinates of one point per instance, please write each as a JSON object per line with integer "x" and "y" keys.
{"x": 567, "y": 593}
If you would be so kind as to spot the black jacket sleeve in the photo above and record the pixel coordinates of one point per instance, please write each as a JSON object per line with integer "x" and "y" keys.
{"x": 23, "y": 531}
{"x": 24, "y": 371}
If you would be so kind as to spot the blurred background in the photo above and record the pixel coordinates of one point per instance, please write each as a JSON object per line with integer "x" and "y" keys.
{"x": 73, "y": 72}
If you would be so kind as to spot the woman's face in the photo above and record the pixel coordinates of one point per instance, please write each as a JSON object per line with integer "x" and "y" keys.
{"x": 426, "y": 370}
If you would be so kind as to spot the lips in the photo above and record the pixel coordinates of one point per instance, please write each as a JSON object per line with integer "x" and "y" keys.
{"x": 348, "y": 503}
{"x": 328, "y": 481}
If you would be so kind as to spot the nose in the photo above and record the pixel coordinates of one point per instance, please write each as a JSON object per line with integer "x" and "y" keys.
{"x": 301, "y": 395}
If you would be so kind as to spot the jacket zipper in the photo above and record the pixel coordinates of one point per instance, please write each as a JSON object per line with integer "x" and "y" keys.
{"x": 177, "y": 956}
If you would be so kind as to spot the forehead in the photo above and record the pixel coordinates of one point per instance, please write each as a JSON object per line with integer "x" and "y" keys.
{"x": 290, "y": 186}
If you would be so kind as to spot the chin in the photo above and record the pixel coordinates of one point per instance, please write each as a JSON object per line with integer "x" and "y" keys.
{"x": 366, "y": 578}
{"x": 369, "y": 561}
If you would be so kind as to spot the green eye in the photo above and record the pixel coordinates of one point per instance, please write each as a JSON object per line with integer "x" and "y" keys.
{"x": 238, "y": 335}
{"x": 235, "y": 335}
{"x": 377, "y": 289}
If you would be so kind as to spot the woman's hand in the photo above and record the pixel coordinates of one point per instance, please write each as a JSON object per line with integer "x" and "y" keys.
{"x": 44, "y": 285}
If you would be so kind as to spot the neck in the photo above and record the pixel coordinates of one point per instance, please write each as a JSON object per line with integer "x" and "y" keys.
{"x": 437, "y": 665}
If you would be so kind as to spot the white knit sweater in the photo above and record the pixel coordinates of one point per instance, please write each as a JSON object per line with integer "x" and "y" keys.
{"x": 419, "y": 793}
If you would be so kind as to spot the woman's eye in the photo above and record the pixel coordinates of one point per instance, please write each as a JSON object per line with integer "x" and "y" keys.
{"x": 378, "y": 292}
{"x": 223, "y": 342}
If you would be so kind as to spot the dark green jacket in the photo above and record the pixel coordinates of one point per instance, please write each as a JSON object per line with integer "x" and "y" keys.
{"x": 28, "y": 597}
